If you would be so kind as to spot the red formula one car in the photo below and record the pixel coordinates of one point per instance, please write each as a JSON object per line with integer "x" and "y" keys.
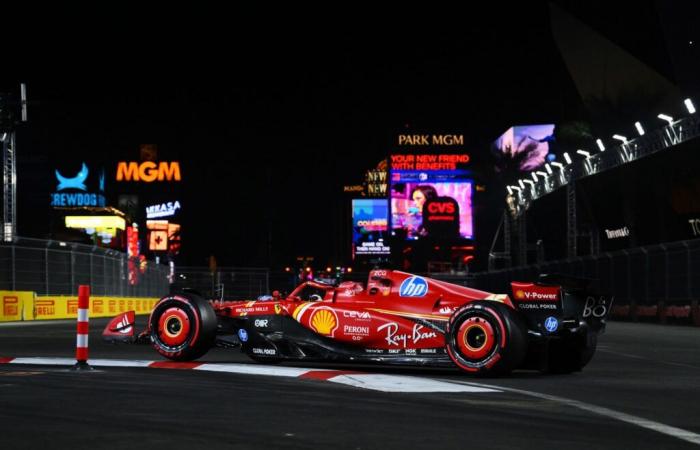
{"x": 397, "y": 318}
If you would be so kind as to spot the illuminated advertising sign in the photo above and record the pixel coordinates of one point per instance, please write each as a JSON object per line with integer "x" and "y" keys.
{"x": 162, "y": 210}
{"x": 73, "y": 191}
{"x": 431, "y": 196}
{"x": 370, "y": 224}
{"x": 107, "y": 222}
{"x": 157, "y": 224}
{"x": 158, "y": 240}
{"x": 102, "y": 228}
{"x": 163, "y": 236}
{"x": 148, "y": 171}
{"x": 174, "y": 238}
{"x": 376, "y": 183}
{"x": 132, "y": 241}
{"x": 426, "y": 140}
{"x": 524, "y": 148}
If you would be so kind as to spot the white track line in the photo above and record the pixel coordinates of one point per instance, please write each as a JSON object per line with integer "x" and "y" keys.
{"x": 399, "y": 383}
{"x": 675, "y": 432}
{"x": 255, "y": 369}
{"x": 31, "y": 323}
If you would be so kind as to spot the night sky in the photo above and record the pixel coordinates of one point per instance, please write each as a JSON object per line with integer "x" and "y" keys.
{"x": 270, "y": 117}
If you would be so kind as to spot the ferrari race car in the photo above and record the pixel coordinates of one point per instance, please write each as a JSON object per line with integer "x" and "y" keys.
{"x": 397, "y": 318}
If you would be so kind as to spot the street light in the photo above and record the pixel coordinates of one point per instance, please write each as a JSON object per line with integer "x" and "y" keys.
{"x": 567, "y": 158}
{"x": 549, "y": 168}
{"x": 599, "y": 142}
{"x": 667, "y": 118}
{"x": 520, "y": 182}
{"x": 689, "y": 104}
{"x": 584, "y": 153}
{"x": 534, "y": 176}
{"x": 619, "y": 137}
{"x": 510, "y": 191}
{"x": 639, "y": 127}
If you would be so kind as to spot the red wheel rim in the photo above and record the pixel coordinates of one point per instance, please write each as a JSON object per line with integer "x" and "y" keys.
{"x": 173, "y": 327}
{"x": 475, "y": 338}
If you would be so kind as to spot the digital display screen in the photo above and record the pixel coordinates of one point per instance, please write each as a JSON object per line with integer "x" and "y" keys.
{"x": 524, "y": 148}
{"x": 370, "y": 225}
{"x": 425, "y": 207}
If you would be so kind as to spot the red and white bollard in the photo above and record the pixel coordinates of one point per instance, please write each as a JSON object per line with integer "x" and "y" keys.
{"x": 81, "y": 348}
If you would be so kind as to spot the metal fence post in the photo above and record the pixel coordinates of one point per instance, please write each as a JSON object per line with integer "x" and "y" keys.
{"x": 661, "y": 305}
{"x": 14, "y": 269}
{"x": 46, "y": 270}
{"x": 91, "y": 284}
{"x": 72, "y": 269}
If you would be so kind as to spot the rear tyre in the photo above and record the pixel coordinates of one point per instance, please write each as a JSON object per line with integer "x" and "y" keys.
{"x": 486, "y": 338}
{"x": 183, "y": 327}
{"x": 572, "y": 355}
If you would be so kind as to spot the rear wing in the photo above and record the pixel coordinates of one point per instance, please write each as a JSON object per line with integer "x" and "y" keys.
{"x": 561, "y": 301}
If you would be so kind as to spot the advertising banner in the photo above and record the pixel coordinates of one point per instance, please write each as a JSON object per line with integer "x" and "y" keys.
{"x": 370, "y": 225}
{"x": 13, "y": 304}
{"x": 431, "y": 196}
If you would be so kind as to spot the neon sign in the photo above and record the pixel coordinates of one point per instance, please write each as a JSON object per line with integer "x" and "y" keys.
{"x": 162, "y": 210}
{"x": 428, "y": 162}
{"x": 77, "y": 182}
{"x": 431, "y": 139}
{"x": 148, "y": 171}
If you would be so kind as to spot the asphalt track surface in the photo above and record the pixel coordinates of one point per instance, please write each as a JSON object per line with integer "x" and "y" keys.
{"x": 642, "y": 390}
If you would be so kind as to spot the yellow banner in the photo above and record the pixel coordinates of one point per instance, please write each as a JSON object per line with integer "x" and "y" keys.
{"x": 15, "y": 305}
{"x": 66, "y": 307}
{"x": 23, "y": 305}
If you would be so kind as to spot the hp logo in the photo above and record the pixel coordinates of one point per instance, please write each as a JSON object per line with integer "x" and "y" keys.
{"x": 551, "y": 324}
{"x": 413, "y": 287}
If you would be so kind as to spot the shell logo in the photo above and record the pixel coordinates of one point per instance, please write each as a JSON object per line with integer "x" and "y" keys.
{"x": 324, "y": 321}
{"x": 519, "y": 294}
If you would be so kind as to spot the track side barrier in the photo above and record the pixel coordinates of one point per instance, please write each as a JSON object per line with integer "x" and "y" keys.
{"x": 16, "y": 305}
{"x": 23, "y": 305}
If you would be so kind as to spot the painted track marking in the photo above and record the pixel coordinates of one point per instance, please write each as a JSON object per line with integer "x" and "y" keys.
{"x": 675, "y": 432}
{"x": 375, "y": 382}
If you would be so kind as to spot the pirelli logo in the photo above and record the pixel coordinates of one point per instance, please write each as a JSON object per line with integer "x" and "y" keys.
{"x": 10, "y": 306}
{"x": 72, "y": 306}
{"x": 45, "y": 308}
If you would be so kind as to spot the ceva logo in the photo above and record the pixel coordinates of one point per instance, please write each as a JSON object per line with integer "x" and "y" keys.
{"x": 413, "y": 287}
{"x": 148, "y": 171}
{"x": 77, "y": 182}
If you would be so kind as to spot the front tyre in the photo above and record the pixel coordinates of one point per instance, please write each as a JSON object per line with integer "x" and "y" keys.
{"x": 486, "y": 338}
{"x": 182, "y": 327}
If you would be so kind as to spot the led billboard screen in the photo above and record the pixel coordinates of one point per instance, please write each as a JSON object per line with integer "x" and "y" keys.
{"x": 431, "y": 196}
{"x": 524, "y": 148}
{"x": 370, "y": 225}
{"x": 429, "y": 208}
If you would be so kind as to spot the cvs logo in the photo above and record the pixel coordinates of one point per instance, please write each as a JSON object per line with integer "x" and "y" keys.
{"x": 441, "y": 208}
